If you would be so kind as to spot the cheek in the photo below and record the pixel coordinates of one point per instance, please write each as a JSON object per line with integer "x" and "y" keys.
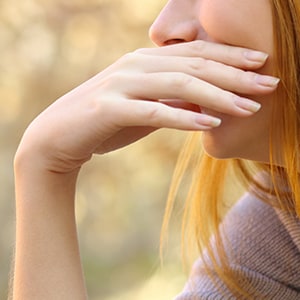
{"x": 244, "y": 23}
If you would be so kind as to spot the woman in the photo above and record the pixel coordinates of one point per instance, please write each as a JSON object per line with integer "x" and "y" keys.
{"x": 206, "y": 78}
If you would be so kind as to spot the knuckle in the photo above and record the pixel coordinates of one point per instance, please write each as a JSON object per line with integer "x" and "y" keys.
{"x": 152, "y": 114}
{"x": 199, "y": 47}
{"x": 245, "y": 80}
{"x": 198, "y": 65}
{"x": 181, "y": 81}
{"x": 229, "y": 53}
{"x": 239, "y": 76}
{"x": 129, "y": 59}
{"x": 224, "y": 103}
{"x": 251, "y": 75}
{"x": 112, "y": 81}
{"x": 141, "y": 51}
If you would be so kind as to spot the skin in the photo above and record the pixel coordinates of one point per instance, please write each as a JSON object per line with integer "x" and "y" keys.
{"x": 121, "y": 105}
{"x": 236, "y": 137}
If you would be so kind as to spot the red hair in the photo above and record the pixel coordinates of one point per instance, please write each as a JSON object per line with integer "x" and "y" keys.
{"x": 205, "y": 205}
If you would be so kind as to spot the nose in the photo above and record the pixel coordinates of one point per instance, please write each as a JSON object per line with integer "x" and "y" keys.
{"x": 178, "y": 22}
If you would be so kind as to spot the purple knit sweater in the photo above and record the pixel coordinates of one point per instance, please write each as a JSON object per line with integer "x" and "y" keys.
{"x": 265, "y": 247}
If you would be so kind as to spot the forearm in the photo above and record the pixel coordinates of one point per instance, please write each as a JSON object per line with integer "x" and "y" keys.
{"x": 107, "y": 112}
{"x": 47, "y": 261}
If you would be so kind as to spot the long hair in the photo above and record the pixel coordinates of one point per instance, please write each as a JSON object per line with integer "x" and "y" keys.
{"x": 205, "y": 205}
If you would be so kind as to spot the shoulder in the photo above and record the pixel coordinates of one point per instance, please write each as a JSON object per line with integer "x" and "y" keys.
{"x": 263, "y": 246}
{"x": 263, "y": 238}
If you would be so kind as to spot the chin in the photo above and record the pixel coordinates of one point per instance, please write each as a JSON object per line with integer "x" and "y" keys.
{"x": 219, "y": 148}
{"x": 216, "y": 153}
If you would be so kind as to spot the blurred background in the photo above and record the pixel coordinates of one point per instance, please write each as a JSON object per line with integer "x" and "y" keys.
{"x": 47, "y": 48}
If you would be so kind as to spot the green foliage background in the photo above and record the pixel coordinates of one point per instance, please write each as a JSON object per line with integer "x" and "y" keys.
{"x": 48, "y": 47}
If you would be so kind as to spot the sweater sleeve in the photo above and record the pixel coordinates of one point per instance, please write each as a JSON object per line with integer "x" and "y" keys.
{"x": 264, "y": 248}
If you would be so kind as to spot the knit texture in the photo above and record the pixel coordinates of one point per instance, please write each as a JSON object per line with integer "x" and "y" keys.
{"x": 263, "y": 245}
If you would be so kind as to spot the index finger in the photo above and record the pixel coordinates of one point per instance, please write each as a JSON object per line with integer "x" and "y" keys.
{"x": 235, "y": 56}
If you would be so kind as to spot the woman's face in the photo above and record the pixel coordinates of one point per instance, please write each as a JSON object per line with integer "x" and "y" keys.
{"x": 245, "y": 23}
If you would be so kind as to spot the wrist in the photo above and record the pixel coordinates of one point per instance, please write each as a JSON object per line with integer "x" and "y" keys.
{"x": 31, "y": 162}
{"x": 38, "y": 184}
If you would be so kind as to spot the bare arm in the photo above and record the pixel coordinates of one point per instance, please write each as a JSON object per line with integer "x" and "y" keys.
{"x": 123, "y": 103}
{"x": 47, "y": 254}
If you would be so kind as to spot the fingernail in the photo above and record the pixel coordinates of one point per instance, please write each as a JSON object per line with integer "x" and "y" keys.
{"x": 247, "y": 104}
{"x": 256, "y": 56}
{"x": 208, "y": 120}
{"x": 266, "y": 80}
